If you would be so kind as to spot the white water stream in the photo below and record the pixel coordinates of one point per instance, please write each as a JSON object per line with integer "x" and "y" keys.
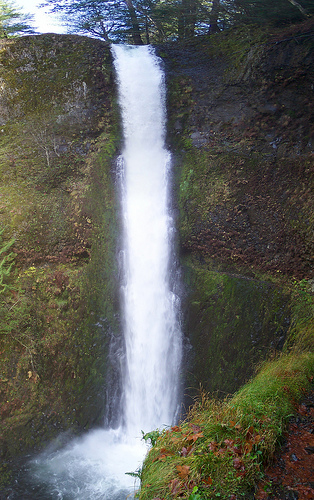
{"x": 94, "y": 467}
{"x": 152, "y": 336}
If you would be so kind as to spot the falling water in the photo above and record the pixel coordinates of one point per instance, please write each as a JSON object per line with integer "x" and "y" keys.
{"x": 152, "y": 337}
{"x": 94, "y": 467}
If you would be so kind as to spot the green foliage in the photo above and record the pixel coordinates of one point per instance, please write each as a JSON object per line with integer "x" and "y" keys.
{"x": 137, "y": 474}
{"x": 267, "y": 11}
{"x": 151, "y": 436}
{"x": 195, "y": 495}
{"x": 6, "y": 263}
{"x": 157, "y": 21}
{"x": 219, "y": 450}
{"x": 13, "y": 22}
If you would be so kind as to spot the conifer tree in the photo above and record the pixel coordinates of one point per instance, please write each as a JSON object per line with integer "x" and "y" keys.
{"x": 12, "y": 21}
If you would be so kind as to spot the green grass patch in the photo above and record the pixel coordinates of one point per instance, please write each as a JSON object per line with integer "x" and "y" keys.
{"x": 220, "y": 449}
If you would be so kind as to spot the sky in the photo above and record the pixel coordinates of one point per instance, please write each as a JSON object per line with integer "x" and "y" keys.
{"x": 44, "y": 22}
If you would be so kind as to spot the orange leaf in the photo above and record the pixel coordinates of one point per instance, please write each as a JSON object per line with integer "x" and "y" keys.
{"x": 164, "y": 453}
{"x": 176, "y": 440}
{"x": 208, "y": 481}
{"x": 248, "y": 447}
{"x": 256, "y": 439}
{"x": 212, "y": 446}
{"x": 183, "y": 471}
{"x": 176, "y": 428}
{"x": 194, "y": 437}
{"x": 221, "y": 451}
{"x": 250, "y": 432}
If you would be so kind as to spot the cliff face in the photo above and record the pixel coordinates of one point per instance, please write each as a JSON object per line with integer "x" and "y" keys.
{"x": 241, "y": 120}
{"x": 57, "y": 203}
{"x": 241, "y": 126}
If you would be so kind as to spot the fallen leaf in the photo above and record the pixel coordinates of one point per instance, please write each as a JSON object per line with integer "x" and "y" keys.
{"x": 195, "y": 428}
{"x": 175, "y": 486}
{"x": 212, "y": 446}
{"x": 229, "y": 442}
{"x": 248, "y": 447}
{"x": 183, "y": 471}
{"x": 194, "y": 437}
{"x": 256, "y": 439}
{"x": 185, "y": 452}
{"x": 176, "y": 428}
{"x": 208, "y": 481}
{"x": 237, "y": 463}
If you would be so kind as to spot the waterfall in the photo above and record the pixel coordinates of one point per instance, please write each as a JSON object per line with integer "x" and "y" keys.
{"x": 93, "y": 467}
{"x": 152, "y": 337}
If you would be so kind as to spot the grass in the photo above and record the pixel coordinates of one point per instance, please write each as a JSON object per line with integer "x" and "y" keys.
{"x": 220, "y": 449}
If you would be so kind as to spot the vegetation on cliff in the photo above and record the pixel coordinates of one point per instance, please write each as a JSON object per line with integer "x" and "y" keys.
{"x": 58, "y": 219}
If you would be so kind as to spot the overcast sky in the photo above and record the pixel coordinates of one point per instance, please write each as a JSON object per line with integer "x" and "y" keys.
{"x": 44, "y": 22}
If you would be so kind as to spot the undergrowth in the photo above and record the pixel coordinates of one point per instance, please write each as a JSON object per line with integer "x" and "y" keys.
{"x": 220, "y": 449}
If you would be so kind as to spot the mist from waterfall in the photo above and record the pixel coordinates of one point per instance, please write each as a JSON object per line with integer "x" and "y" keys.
{"x": 93, "y": 467}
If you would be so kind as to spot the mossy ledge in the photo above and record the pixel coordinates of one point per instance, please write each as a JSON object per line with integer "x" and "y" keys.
{"x": 59, "y": 308}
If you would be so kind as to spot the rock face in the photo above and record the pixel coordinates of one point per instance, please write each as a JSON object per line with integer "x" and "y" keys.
{"x": 241, "y": 120}
{"x": 241, "y": 126}
{"x": 58, "y": 305}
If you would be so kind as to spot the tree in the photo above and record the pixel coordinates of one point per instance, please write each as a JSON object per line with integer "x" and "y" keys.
{"x": 270, "y": 11}
{"x": 13, "y": 22}
{"x": 214, "y": 15}
{"x": 112, "y": 20}
{"x": 134, "y": 21}
{"x": 187, "y": 19}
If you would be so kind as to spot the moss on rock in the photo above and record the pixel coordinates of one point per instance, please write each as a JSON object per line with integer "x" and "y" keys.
{"x": 57, "y": 140}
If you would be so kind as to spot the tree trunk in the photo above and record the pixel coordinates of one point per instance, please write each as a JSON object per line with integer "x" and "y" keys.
{"x": 214, "y": 13}
{"x": 136, "y": 34}
{"x": 104, "y": 31}
{"x": 187, "y": 19}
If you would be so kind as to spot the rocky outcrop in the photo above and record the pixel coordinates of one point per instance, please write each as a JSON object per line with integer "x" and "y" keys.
{"x": 59, "y": 310}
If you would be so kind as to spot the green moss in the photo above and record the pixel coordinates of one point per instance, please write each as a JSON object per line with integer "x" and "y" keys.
{"x": 57, "y": 142}
{"x": 232, "y": 322}
{"x": 203, "y": 184}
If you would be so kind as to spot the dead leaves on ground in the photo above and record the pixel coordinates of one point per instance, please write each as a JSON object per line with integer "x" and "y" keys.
{"x": 185, "y": 442}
